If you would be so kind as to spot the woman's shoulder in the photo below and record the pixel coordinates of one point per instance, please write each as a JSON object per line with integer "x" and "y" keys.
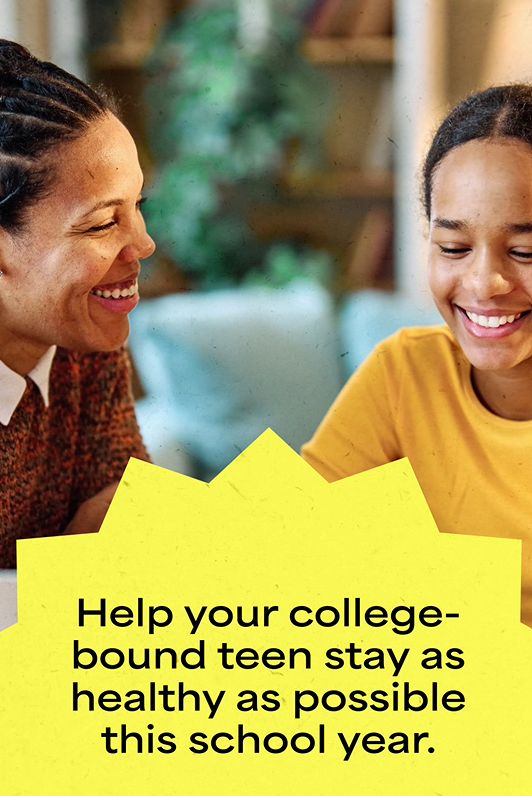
{"x": 92, "y": 362}
{"x": 90, "y": 370}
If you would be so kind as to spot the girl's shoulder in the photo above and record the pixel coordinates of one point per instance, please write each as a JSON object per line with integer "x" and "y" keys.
{"x": 428, "y": 354}
{"x": 426, "y": 343}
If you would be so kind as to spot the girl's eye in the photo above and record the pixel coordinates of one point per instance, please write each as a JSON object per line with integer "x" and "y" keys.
{"x": 456, "y": 251}
{"x": 141, "y": 201}
{"x": 522, "y": 255}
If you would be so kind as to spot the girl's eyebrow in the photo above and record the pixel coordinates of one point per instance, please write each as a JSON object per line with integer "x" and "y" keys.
{"x": 526, "y": 227}
{"x": 446, "y": 223}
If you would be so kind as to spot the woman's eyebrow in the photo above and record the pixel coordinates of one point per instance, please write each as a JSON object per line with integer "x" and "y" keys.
{"x": 109, "y": 203}
{"x": 104, "y": 204}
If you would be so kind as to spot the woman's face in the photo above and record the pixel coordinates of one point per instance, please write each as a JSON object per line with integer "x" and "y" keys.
{"x": 480, "y": 255}
{"x": 70, "y": 276}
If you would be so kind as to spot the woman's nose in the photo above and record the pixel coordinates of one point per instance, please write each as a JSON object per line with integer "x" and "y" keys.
{"x": 139, "y": 247}
{"x": 147, "y": 246}
{"x": 487, "y": 276}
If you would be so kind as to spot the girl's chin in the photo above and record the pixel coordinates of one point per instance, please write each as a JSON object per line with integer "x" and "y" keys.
{"x": 497, "y": 358}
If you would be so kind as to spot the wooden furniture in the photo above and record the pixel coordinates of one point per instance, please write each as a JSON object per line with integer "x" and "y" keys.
{"x": 339, "y": 195}
{"x": 330, "y": 207}
{"x": 428, "y": 68}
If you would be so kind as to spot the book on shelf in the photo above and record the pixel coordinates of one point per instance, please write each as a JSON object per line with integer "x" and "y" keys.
{"x": 329, "y": 18}
{"x": 379, "y": 154}
{"x": 350, "y": 18}
{"x": 370, "y": 256}
{"x": 370, "y": 18}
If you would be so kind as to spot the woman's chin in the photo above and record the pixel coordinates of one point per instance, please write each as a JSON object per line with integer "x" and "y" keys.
{"x": 108, "y": 337}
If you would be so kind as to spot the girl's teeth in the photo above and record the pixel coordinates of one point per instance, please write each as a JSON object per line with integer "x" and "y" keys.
{"x": 492, "y": 321}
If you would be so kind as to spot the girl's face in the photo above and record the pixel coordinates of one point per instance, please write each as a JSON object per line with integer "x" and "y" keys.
{"x": 480, "y": 253}
{"x": 70, "y": 276}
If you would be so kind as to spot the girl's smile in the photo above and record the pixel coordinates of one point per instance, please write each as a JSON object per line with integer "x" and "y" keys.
{"x": 480, "y": 256}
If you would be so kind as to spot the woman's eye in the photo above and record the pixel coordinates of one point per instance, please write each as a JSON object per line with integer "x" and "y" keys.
{"x": 454, "y": 250}
{"x": 102, "y": 227}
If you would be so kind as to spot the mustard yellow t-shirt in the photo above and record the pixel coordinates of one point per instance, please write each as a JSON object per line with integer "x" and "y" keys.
{"x": 413, "y": 397}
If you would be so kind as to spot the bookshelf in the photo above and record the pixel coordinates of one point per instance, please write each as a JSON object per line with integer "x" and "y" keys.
{"x": 349, "y": 50}
{"x": 426, "y": 66}
{"x": 338, "y": 197}
{"x": 119, "y": 56}
{"x": 122, "y": 32}
{"x": 342, "y": 184}
{"x": 352, "y": 43}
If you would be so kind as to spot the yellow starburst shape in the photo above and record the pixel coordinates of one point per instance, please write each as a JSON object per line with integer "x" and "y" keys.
{"x": 267, "y": 633}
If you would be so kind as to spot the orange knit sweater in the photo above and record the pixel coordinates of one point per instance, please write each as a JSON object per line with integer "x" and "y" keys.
{"x": 52, "y": 459}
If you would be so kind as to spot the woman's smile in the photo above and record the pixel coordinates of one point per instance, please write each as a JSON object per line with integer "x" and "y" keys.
{"x": 85, "y": 241}
{"x": 120, "y": 297}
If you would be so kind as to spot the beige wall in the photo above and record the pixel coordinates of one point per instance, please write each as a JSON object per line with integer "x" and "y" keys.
{"x": 489, "y": 42}
{"x": 52, "y": 29}
{"x": 469, "y": 29}
{"x": 32, "y": 16}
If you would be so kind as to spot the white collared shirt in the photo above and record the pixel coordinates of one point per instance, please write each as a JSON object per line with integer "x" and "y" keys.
{"x": 13, "y": 385}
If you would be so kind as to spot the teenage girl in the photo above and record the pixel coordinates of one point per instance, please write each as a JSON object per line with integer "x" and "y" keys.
{"x": 457, "y": 399}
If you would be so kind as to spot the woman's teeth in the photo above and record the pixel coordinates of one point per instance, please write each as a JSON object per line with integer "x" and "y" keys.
{"x": 492, "y": 321}
{"x": 126, "y": 292}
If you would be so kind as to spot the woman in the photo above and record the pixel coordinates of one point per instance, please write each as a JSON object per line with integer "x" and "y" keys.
{"x": 71, "y": 237}
{"x": 457, "y": 399}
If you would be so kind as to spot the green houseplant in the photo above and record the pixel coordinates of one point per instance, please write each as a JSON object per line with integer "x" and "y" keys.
{"x": 223, "y": 103}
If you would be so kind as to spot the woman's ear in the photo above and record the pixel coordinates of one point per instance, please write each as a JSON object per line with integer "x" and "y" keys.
{"x": 2, "y": 250}
{"x": 7, "y": 243}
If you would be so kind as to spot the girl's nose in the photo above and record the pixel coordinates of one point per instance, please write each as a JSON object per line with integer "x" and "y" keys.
{"x": 488, "y": 277}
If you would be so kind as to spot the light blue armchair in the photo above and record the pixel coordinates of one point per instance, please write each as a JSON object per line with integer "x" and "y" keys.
{"x": 219, "y": 368}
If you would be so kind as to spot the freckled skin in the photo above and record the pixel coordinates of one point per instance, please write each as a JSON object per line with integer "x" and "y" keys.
{"x": 486, "y": 187}
{"x": 50, "y": 268}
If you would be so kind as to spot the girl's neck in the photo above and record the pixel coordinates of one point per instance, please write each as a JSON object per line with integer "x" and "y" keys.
{"x": 507, "y": 394}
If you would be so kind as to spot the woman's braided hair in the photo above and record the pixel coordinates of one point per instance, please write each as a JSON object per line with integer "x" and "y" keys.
{"x": 496, "y": 112}
{"x": 41, "y": 106}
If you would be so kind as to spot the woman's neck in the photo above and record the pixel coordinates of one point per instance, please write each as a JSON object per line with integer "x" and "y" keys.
{"x": 19, "y": 355}
{"x": 507, "y": 394}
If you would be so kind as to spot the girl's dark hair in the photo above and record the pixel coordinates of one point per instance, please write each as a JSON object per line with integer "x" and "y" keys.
{"x": 41, "y": 106}
{"x": 497, "y": 112}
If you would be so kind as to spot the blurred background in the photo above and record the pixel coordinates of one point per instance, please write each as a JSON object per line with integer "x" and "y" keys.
{"x": 281, "y": 142}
